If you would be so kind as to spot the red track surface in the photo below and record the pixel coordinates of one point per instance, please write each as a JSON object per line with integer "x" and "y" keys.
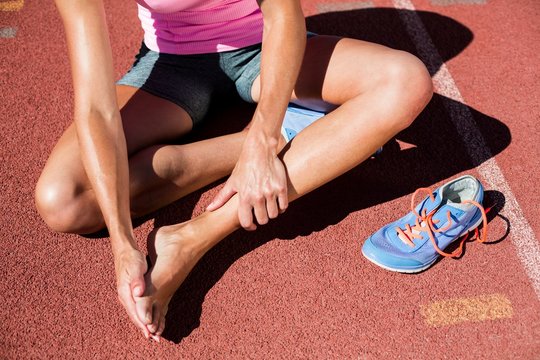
{"x": 299, "y": 287}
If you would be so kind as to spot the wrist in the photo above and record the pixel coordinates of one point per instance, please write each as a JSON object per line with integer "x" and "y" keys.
{"x": 265, "y": 127}
{"x": 121, "y": 243}
{"x": 261, "y": 141}
{"x": 264, "y": 133}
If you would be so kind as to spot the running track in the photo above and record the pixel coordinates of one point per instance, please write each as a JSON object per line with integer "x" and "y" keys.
{"x": 299, "y": 288}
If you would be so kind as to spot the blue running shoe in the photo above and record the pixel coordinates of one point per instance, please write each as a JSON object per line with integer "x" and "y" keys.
{"x": 414, "y": 242}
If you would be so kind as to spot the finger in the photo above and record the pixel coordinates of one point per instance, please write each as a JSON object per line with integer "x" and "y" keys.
{"x": 129, "y": 305}
{"x": 283, "y": 201}
{"x": 137, "y": 284}
{"x": 221, "y": 198}
{"x": 272, "y": 207}
{"x": 245, "y": 216}
{"x": 260, "y": 211}
{"x": 143, "y": 309}
{"x": 140, "y": 325}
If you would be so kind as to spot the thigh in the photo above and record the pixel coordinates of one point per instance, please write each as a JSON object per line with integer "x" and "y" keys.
{"x": 147, "y": 120}
{"x": 336, "y": 69}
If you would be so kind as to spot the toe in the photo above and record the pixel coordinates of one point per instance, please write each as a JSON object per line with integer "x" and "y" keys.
{"x": 156, "y": 316}
{"x": 153, "y": 327}
{"x": 161, "y": 326}
{"x": 144, "y": 309}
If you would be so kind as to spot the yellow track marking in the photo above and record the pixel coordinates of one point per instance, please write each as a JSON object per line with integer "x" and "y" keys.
{"x": 478, "y": 308}
{"x": 13, "y": 5}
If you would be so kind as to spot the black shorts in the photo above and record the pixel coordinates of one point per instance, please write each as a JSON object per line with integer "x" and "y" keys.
{"x": 194, "y": 81}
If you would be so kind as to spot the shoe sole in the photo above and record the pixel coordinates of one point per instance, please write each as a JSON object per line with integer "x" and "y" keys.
{"x": 425, "y": 267}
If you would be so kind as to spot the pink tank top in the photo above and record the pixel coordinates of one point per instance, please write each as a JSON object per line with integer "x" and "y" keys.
{"x": 200, "y": 26}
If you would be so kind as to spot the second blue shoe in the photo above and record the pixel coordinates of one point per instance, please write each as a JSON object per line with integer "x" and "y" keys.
{"x": 414, "y": 242}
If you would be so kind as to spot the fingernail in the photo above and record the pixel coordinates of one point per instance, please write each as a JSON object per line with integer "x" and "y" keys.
{"x": 137, "y": 291}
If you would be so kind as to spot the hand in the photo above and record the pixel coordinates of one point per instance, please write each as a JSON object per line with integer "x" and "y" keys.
{"x": 130, "y": 266}
{"x": 260, "y": 180}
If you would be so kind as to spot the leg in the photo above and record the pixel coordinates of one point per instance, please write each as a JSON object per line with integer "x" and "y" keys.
{"x": 377, "y": 91}
{"x": 159, "y": 174}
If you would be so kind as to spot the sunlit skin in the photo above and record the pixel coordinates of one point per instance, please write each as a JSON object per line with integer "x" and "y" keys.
{"x": 87, "y": 184}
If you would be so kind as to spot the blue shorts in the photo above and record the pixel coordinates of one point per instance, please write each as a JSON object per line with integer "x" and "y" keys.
{"x": 194, "y": 81}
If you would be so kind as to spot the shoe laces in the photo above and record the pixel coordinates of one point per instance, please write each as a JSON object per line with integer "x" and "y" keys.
{"x": 425, "y": 223}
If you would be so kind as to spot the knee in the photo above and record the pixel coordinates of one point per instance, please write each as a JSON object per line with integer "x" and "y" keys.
{"x": 58, "y": 206}
{"x": 408, "y": 85}
{"x": 52, "y": 205}
{"x": 408, "y": 75}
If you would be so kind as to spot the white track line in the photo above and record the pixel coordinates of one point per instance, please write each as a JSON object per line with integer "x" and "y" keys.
{"x": 522, "y": 235}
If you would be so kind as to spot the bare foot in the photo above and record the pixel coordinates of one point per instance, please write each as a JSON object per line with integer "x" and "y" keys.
{"x": 173, "y": 255}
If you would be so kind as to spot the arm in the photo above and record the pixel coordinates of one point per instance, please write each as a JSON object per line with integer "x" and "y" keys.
{"x": 284, "y": 42}
{"x": 259, "y": 176}
{"x": 101, "y": 137}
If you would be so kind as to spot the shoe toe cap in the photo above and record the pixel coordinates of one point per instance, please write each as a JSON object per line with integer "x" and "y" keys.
{"x": 388, "y": 258}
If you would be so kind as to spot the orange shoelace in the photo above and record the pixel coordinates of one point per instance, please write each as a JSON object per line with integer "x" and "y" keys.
{"x": 426, "y": 223}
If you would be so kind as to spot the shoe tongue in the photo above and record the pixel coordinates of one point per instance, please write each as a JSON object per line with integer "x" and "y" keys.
{"x": 460, "y": 206}
{"x": 428, "y": 204}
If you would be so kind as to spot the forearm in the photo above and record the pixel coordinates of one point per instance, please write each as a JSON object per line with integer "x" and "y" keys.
{"x": 97, "y": 118}
{"x": 284, "y": 41}
{"x": 104, "y": 155}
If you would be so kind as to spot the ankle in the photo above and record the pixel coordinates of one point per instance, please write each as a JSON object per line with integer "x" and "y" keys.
{"x": 196, "y": 236}
{"x": 223, "y": 219}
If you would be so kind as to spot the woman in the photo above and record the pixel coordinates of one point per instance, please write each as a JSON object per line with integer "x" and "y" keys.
{"x": 114, "y": 162}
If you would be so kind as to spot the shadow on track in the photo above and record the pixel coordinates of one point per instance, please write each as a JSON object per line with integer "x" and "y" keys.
{"x": 426, "y": 153}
